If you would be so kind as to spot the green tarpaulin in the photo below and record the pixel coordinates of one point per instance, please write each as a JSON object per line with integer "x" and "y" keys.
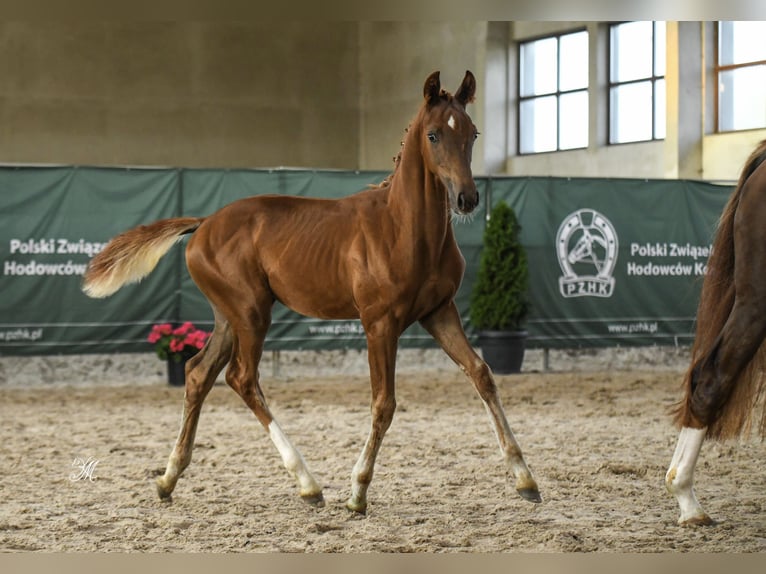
{"x": 612, "y": 262}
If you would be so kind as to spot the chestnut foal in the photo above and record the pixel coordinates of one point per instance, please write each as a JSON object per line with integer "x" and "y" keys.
{"x": 386, "y": 255}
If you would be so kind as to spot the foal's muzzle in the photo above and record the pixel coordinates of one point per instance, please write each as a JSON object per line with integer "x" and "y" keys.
{"x": 466, "y": 203}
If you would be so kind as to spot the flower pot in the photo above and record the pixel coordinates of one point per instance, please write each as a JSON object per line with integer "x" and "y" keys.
{"x": 503, "y": 351}
{"x": 177, "y": 372}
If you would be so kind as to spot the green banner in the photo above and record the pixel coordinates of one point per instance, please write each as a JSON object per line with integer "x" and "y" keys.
{"x": 53, "y": 222}
{"x": 612, "y": 262}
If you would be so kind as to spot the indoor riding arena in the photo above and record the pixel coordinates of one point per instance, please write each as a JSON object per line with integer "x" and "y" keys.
{"x": 340, "y": 306}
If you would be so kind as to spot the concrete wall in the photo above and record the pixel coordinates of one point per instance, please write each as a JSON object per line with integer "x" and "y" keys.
{"x": 724, "y": 155}
{"x": 395, "y": 59}
{"x": 335, "y": 95}
{"x": 187, "y": 94}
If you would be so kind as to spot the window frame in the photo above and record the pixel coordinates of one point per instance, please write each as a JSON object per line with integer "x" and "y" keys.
{"x": 653, "y": 79}
{"x": 717, "y": 70}
{"x": 556, "y": 94}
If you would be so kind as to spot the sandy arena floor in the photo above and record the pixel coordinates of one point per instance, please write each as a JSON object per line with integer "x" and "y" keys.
{"x": 598, "y": 442}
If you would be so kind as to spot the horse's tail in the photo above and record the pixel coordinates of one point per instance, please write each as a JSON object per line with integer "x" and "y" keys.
{"x": 715, "y": 305}
{"x": 132, "y": 255}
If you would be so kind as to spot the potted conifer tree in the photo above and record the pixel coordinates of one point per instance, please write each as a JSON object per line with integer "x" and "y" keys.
{"x": 499, "y": 301}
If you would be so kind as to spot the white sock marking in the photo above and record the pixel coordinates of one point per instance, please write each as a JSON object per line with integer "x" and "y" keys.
{"x": 293, "y": 460}
{"x": 680, "y": 476}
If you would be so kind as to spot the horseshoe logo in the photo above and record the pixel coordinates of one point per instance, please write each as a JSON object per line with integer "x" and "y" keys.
{"x": 586, "y": 247}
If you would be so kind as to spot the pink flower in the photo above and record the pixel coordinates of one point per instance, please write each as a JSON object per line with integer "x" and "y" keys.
{"x": 158, "y": 331}
{"x": 184, "y": 339}
{"x": 184, "y": 329}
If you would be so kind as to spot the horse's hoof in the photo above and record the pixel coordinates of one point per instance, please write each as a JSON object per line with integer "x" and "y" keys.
{"x": 358, "y": 507}
{"x": 165, "y": 494}
{"x": 697, "y": 520}
{"x": 316, "y": 500}
{"x": 530, "y": 494}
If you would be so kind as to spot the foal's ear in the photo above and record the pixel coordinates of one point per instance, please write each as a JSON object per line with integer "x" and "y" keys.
{"x": 467, "y": 89}
{"x": 432, "y": 88}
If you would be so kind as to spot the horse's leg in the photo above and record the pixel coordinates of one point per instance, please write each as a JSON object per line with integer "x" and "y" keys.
{"x": 679, "y": 479}
{"x": 445, "y": 326}
{"x": 741, "y": 337}
{"x": 201, "y": 372}
{"x": 381, "y": 351}
{"x": 242, "y": 376}
{"x": 713, "y": 384}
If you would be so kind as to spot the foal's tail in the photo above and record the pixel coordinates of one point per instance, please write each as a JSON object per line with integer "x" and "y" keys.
{"x": 716, "y": 303}
{"x": 132, "y": 255}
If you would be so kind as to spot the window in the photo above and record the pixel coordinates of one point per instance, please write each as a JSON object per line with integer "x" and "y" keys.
{"x": 741, "y": 75}
{"x": 553, "y": 93}
{"x": 636, "y": 82}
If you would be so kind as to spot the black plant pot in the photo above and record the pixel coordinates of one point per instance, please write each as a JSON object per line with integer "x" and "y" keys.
{"x": 177, "y": 373}
{"x": 503, "y": 350}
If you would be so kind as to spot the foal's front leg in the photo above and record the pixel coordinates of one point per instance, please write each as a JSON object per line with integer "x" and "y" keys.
{"x": 445, "y": 326}
{"x": 381, "y": 351}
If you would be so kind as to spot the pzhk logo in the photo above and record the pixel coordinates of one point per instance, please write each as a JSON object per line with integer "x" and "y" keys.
{"x": 586, "y": 246}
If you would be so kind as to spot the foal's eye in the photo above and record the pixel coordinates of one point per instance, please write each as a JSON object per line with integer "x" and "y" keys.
{"x": 476, "y": 135}
{"x": 432, "y": 137}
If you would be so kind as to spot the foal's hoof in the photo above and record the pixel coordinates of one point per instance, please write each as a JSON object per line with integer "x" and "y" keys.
{"x": 530, "y": 494}
{"x": 164, "y": 493}
{"x": 358, "y": 507}
{"x": 697, "y": 520}
{"x": 316, "y": 500}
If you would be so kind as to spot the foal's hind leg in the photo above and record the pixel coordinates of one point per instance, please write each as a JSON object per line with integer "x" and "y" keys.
{"x": 445, "y": 326}
{"x": 242, "y": 376}
{"x": 201, "y": 372}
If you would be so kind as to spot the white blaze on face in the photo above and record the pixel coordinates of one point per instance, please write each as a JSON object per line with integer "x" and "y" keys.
{"x": 451, "y": 121}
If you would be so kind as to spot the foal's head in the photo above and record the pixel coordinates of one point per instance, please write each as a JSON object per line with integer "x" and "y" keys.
{"x": 448, "y": 135}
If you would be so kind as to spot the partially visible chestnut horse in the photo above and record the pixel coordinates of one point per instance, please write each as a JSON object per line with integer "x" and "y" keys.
{"x": 386, "y": 255}
{"x": 724, "y": 383}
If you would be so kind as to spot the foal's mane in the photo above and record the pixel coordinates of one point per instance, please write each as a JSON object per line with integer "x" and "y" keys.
{"x": 387, "y": 180}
